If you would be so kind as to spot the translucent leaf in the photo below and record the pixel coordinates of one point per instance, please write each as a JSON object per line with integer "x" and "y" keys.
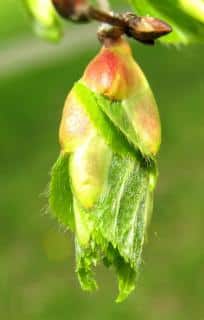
{"x": 185, "y": 16}
{"x": 44, "y": 16}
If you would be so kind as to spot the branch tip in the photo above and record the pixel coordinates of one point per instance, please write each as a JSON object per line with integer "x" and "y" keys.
{"x": 144, "y": 29}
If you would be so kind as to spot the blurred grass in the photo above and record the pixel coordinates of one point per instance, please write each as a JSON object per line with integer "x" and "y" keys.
{"x": 37, "y": 278}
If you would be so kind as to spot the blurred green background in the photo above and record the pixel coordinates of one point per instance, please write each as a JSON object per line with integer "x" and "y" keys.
{"x": 37, "y": 280}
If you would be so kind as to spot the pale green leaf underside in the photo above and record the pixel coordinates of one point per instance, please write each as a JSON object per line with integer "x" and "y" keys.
{"x": 185, "y": 16}
{"x": 44, "y": 17}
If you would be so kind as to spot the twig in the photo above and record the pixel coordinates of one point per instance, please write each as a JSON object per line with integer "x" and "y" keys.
{"x": 143, "y": 29}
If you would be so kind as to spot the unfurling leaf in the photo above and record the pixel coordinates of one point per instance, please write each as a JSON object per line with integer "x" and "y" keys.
{"x": 44, "y": 17}
{"x": 186, "y": 17}
{"x": 103, "y": 182}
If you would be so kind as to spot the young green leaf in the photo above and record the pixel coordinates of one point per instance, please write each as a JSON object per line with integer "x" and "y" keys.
{"x": 106, "y": 169}
{"x": 44, "y": 17}
{"x": 60, "y": 195}
{"x": 138, "y": 119}
{"x": 186, "y": 17}
{"x": 112, "y": 226}
{"x": 116, "y": 225}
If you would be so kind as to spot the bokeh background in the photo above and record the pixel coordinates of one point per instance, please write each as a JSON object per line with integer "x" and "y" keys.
{"x": 37, "y": 280}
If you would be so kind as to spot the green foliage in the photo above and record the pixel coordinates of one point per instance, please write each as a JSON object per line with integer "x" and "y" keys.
{"x": 44, "y": 17}
{"x": 185, "y": 16}
{"x": 113, "y": 228}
